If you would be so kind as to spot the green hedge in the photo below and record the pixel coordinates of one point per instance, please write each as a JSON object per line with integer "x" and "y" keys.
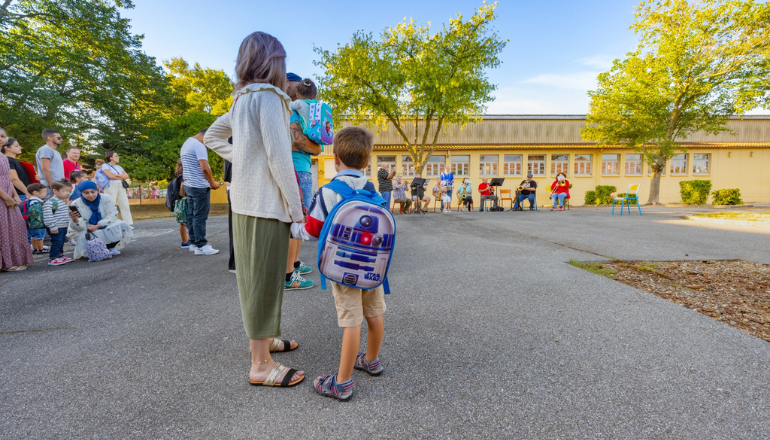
{"x": 695, "y": 192}
{"x": 602, "y": 195}
{"x": 727, "y": 197}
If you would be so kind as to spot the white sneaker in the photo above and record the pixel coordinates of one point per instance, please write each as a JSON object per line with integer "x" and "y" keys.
{"x": 232, "y": 270}
{"x": 206, "y": 250}
{"x": 193, "y": 248}
{"x": 115, "y": 251}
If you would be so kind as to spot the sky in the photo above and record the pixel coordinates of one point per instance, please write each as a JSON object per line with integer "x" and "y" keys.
{"x": 556, "y": 47}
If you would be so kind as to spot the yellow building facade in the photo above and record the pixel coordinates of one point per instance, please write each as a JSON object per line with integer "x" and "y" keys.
{"x": 509, "y": 146}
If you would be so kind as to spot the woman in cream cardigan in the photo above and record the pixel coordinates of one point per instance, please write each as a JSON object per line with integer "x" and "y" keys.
{"x": 265, "y": 198}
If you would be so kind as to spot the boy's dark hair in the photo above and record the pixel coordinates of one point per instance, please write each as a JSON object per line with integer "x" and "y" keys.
{"x": 48, "y": 132}
{"x": 307, "y": 89}
{"x": 75, "y": 175}
{"x": 353, "y": 145}
{"x": 35, "y": 187}
{"x": 59, "y": 184}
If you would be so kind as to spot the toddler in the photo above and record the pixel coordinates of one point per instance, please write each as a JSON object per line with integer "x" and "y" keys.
{"x": 56, "y": 218}
{"x": 301, "y": 101}
{"x": 35, "y": 224}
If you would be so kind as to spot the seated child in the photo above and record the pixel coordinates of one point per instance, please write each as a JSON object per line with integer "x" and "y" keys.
{"x": 35, "y": 225}
{"x": 75, "y": 178}
{"x": 301, "y": 103}
{"x": 352, "y": 150}
{"x": 56, "y": 218}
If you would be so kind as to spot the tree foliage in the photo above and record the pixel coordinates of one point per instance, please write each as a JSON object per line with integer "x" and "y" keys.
{"x": 74, "y": 65}
{"x": 204, "y": 90}
{"x": 414, "y": 80}
{"x": 697, "y": 63}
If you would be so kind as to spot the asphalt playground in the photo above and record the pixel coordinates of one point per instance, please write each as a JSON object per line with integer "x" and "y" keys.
{"x": 489, "y": 334}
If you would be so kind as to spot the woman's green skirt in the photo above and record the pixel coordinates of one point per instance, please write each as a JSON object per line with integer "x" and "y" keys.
{"x": 261, "y": 248}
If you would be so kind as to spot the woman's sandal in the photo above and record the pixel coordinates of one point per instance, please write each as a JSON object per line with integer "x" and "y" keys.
{"x": 276, "y": 344}
{"x": 328, "y": 386}
{"x": 17, "y": 268}
{"x": 374, "y": 368}
{"x": 278, "y": 370}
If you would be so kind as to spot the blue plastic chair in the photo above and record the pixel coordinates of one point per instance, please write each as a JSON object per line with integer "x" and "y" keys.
{"x": 626, "y": 200}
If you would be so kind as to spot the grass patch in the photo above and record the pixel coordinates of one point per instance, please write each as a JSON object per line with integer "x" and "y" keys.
{"x": 595, "y": 268}
{"x": 763, "y": 217}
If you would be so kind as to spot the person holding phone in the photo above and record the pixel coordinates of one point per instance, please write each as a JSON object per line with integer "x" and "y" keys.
{"x": 96, "y": 214}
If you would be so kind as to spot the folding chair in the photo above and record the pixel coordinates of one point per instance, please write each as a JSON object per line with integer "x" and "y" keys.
{"x": 505, "y": 194}
{"x": 627, "y": 200}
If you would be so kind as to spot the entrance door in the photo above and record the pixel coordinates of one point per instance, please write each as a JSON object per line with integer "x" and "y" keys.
{"x": 314, "y": 172}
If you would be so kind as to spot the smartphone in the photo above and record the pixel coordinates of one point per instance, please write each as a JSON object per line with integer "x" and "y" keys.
{"x": 75, "y": 210}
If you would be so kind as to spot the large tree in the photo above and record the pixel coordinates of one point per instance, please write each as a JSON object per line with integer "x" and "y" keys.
{"x": 204, "y": 89}
{"x": 696, "y": 64}
{"x": 415, "y": 80}
{"x": 75, "y": 65}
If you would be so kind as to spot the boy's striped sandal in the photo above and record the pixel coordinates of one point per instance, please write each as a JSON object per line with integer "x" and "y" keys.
{"x": 374, "y": 368}
{"x": 279, "y": 370}
{"x": 328, "y": 386}
{"x": 276, "y": 345}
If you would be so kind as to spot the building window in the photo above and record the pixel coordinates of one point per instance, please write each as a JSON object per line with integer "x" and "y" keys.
{"x": 536, "y": 165}
{"x": 368, "y": 169}
{"x": 583, "y": 164}
{"x": 700, "y": 163}
{"x": 610, "y": 163}
{"x": 407, "y": 166}
{"x": 461, "y": 165}
{"x": 633, "y": 164}
{"x": 435, "y": 166}
{"x": 512, "y": 165}
{"x": 488, "y": 165}
{"x": 679, "y": 164}
{"x": 559, "y": 164}
{"x": 390, "y": 161}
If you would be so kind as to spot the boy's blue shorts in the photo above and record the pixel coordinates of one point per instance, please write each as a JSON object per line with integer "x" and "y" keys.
{"x": 37, "y": 234}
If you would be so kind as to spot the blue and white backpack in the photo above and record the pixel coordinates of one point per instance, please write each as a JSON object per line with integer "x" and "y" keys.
{"x": 356, "y": 243}
{"x": 101, "y": 179}
{"x": 319, "y": 127}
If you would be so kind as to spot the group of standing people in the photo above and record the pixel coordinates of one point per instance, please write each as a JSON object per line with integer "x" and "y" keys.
{"x": 56, "y": 200}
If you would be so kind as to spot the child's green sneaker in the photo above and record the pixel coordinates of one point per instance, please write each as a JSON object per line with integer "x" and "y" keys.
{"x": 302, "y": 269}
{"x": 297, "y": 282}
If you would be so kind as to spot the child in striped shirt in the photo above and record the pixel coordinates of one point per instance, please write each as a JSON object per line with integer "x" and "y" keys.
{"x": 56, "y": 218}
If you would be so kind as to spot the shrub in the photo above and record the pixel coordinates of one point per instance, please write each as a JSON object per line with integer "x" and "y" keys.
{"x": 695, "y": 192}
{"x": 604, "y": 194}
{"x": 630, "y": 202}
{"x": 727, "y": 197}
{"x": 590, "y": 197}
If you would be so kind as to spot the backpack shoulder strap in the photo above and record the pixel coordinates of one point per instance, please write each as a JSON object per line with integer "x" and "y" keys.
{"x": 340, "y": 188}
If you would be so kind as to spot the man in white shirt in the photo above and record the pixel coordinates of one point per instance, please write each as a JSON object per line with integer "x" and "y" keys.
{"x": 198, "y": 183}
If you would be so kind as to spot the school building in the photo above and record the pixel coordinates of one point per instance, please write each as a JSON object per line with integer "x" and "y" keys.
{"x": 510, "y": 146}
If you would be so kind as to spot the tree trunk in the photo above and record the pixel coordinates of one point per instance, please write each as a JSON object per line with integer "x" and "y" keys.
{"x": 657, "y": 170}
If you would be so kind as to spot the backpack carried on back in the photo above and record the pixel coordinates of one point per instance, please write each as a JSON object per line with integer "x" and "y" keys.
{"x": 319, "y": 126}
{"x": 35, "y": 213}
{"x": 172, "y": 193}
{"x": 356, "y": 243}
{"x": 101, "y": 179}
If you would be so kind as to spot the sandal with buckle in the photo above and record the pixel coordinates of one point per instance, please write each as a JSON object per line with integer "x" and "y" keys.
{"x": 276, "y": 344}
{"x": 328, "y": 386}
{"x": 373, "y": 368}
{"x": 278, "y": 370}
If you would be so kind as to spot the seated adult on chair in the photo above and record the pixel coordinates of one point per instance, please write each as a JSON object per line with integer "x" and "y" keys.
{"x": 466, "y": 194}
{"x": 559, "y": 191}
{"x": 527, "y": 191}
{"x": 418, "y": 194}
{"x": 486, "y": 194}
{"x": 399, "y": 195}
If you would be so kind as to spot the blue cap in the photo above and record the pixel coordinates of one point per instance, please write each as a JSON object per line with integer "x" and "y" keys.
{"x": 293, "y": 77}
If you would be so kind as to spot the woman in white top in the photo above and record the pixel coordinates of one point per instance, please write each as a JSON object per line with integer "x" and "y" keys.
{"x": 265, "y": 198}
{"x": 115, "y": 189}
{"x": 97, "y": 214}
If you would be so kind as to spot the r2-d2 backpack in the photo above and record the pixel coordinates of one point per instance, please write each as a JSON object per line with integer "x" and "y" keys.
{"x": 356, "y": 243}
